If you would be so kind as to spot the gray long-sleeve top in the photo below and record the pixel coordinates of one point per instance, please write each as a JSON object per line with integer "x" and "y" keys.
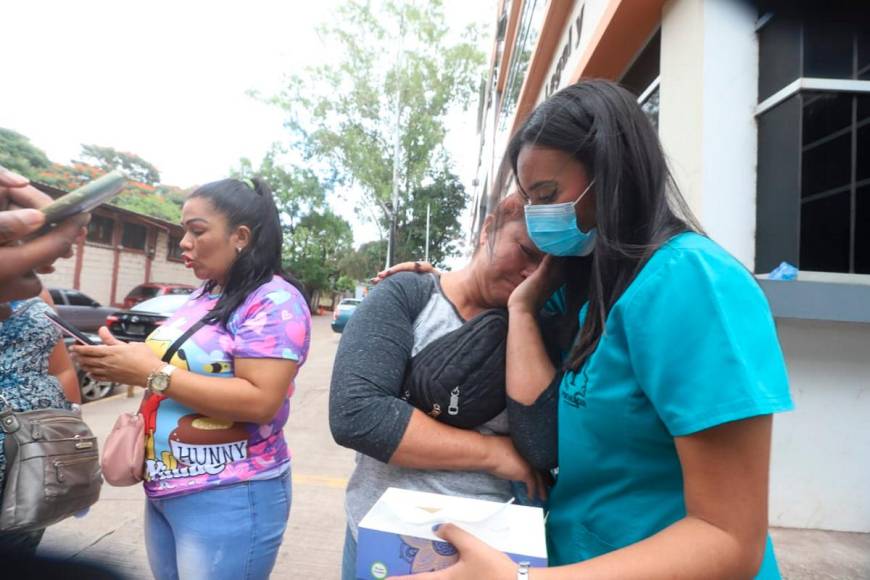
{"x": 366, "y": 412}
{"x": 399, "y": 317}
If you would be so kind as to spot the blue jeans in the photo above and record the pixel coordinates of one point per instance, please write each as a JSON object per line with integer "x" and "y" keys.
{"x": 230, "y": 532}
{"x": 348, "y": 557}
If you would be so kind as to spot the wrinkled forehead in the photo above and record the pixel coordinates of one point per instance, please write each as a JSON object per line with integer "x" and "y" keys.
{"x": 514, "y": 231}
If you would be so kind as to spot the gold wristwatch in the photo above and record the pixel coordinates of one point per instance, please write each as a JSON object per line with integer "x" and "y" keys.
{"x": 158, "y": 381}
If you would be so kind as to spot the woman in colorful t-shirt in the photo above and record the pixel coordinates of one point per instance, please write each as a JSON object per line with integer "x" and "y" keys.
{"x": 217, "y": 471}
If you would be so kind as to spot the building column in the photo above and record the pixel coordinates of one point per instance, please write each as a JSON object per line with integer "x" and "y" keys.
{"x": 150, "y": 252}
{"x": 80, "y": 257}
{"x": 709, "y": 91}
{"x": 116, "y": 261}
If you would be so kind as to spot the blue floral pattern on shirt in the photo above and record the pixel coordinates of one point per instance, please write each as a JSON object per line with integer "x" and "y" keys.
{"x": 26, "y": 341}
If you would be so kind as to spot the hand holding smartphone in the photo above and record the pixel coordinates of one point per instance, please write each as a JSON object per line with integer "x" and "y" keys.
{"x": 69, "y": 329}
{"x": 85, "y": 198}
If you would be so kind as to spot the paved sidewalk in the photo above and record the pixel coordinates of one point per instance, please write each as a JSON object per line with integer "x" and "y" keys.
{"x": 822, "y": 555}
{"x": 112, "y": 531}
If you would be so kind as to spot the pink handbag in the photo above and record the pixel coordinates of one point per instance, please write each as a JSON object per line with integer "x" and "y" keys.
{"x": 123, "y": 460}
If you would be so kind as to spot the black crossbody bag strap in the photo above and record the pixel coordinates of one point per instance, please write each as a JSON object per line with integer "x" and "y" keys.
{"x": 170, "y": 352}
{"x": 173, "y": 348}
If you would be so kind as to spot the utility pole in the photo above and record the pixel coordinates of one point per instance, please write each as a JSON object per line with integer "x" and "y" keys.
{"x": 394, "y": 206}
{"x": 397, "y": 149}
{"x": 428, "y": 208}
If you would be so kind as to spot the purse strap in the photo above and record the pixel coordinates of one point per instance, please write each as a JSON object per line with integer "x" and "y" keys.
{"x": 177, "y": 344}
{"x": 8, "y": 422}
{"x": 173, "y": 348}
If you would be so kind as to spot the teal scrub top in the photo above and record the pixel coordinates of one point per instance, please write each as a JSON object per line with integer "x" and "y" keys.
{"x": 691, "y": 344}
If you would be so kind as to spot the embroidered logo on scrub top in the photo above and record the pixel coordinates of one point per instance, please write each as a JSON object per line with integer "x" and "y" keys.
{"x": 575, "y": 394}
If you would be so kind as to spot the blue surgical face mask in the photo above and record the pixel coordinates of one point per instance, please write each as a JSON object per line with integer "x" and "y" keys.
{"x": 554, "y": 228}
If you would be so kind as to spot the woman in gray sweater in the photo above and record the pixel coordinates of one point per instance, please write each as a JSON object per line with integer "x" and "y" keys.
{"x": 399, "y": 445}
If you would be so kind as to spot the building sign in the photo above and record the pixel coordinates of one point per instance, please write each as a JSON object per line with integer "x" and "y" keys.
{"x": 577, "y": 32}
{"x": 569, "y": 46}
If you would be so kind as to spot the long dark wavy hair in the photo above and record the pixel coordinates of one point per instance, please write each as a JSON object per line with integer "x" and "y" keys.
{"x": 251, "y": 205}
{"x": 639, "y": 207}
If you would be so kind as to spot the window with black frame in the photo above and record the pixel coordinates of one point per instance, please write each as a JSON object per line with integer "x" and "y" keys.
{"x": 174, "y": 250}
{"x": 813, "y": 204}
{"x": 642, "y": 78}
{"x": 134, "y": 236}
{"x": 101, "y": 229}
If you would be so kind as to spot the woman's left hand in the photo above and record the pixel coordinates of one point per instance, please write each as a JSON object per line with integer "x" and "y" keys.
{"x": 476, "y": 559}
{"x": 533, "y": 292}
{"x": 418, "y": 267}
{"x": 128, "y": 363}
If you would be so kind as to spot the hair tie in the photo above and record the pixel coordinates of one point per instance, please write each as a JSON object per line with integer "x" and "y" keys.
{"x": 249, "y": 182}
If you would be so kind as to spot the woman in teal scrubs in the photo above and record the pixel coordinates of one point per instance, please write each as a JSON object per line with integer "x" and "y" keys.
{"x": 665, "y": 399}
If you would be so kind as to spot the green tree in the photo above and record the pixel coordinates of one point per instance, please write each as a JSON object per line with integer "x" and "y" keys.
{"x": 346, "y": 114}
{"x": 141, "y": 200}
{"x": 345, "y": 284}
{"x": 365, "y": 261}
{"x": 313, "y": 251}
{"x": 146, "y": 197}
{"x": 136, "y": 196}
{"x": 446, "y": 199}
{"x": 108, "y": 158}
{"x": 69, "y": 177}
{"x": 18, "y": 154}
{"x": 297, "y": 191}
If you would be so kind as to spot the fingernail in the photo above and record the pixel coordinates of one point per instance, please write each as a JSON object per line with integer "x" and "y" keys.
{"x": 436, "y": 527}
{"x": 32, "y": 217}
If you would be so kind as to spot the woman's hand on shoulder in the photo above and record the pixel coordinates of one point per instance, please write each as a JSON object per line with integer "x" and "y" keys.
{"x": 534, "y": 291}
{"x": 418, "y": 267}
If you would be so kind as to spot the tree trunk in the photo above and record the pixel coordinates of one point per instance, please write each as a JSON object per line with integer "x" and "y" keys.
{"x": 315, "y": 302}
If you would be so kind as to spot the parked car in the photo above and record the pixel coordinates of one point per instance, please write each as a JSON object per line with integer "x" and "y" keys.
{"x": 79, "y": 309}
{"x": 143, "y": 292}
{"x": 343, "y": 312}
{"x": 138, "y": 322}
{"x": 92, "y": 389}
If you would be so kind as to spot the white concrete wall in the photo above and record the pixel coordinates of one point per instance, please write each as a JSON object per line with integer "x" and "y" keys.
{"x": 63, "y": 275}
{"x": 730, "y": 130}
{"x": 681, "y": 100}
{"x": 820, "y": 470}
{"x": 131, "y": 273}
{"x": 709, "y": 89}
{"x": 96, "y": 277}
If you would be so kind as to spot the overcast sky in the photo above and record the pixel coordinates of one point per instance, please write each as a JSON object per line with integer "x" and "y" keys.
{"x": 168, "y": 80}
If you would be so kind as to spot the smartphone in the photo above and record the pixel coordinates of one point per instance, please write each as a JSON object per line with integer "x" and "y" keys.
{"x": 69, "y": 329}
{"x": 85, "y": 198}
